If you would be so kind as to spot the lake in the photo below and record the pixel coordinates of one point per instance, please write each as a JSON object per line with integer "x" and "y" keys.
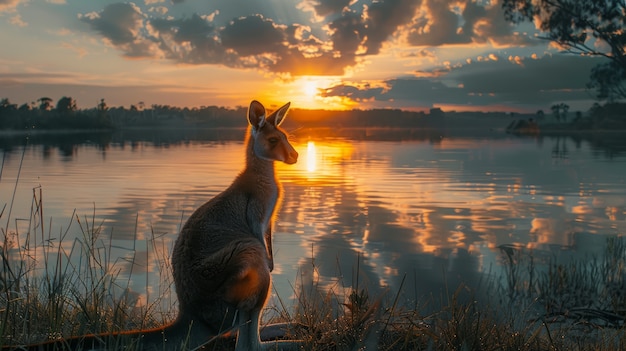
{"x": 419, "y": 212}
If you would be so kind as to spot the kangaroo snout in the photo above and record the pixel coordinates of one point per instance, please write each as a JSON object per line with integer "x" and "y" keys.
{"x": 292, "y": 157}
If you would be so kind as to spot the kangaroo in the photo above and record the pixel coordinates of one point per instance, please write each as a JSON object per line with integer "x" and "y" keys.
{"x": 222, "y": 258}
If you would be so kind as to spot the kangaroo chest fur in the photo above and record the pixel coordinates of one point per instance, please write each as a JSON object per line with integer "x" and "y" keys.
{"x": 260, "y": 207}
{"x": 272, "y": 199}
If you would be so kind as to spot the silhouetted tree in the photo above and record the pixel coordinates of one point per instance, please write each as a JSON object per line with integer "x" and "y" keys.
{"x": 587, "y": 27}
{"x": 45, "y": 103}
{"x": 25, "y": 108}
{"x": 564, "y": 111}
{"x": 579, "y": 116}
{"x": 66, "y": 104}
{"x": 102, "y": 106}
{"x": 556, "y": 112}
{"x": 6, "y": 105}
{"x": 8, "y": 112}
{"x": 608, "y": 80}
{"x": 560, "y": 111}
{"x": 540, "y": 115}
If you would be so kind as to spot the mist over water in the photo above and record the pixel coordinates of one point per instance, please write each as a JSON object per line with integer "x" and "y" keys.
{"x": 426, "y": 213}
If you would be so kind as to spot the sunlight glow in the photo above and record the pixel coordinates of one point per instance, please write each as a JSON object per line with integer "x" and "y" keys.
{"x": 310, "y": 88}
{"x": 311, "y": 157}
{"x": 308, "y": 92}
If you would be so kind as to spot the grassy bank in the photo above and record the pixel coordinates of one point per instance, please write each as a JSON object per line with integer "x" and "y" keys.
{"x": 52, "y": 287}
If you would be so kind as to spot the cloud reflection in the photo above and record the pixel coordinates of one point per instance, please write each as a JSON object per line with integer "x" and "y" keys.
{"x": 414, "y": 214}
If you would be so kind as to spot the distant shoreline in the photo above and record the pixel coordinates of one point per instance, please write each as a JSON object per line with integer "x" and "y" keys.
{"x": 39, "y": 131}
{"x": 332, "y": 130}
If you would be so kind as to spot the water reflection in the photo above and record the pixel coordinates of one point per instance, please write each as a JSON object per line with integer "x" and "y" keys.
{"x": 424, "y": 213}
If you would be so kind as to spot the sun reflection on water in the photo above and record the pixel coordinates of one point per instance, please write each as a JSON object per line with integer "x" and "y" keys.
{"x": 322, "y": 162}
{"x": 311, "y": 157}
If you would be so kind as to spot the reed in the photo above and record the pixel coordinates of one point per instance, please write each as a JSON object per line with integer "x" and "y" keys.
{"x": 52, "y": 286}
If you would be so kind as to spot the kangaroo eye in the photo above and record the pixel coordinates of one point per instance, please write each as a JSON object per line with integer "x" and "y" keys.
{"x": 273, "y": 140}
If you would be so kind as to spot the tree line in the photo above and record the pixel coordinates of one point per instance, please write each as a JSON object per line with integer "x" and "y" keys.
{"x": 45, "y": 114}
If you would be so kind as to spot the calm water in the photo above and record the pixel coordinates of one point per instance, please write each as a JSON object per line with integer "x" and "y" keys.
{"x": 426, "y": 212}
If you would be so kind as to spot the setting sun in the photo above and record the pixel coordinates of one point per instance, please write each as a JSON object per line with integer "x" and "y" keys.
{"x": 310, "y": 89}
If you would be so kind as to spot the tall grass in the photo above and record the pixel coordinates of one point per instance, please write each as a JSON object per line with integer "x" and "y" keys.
{"x": 579, "y": 304}
{"x": 52, "y": 286}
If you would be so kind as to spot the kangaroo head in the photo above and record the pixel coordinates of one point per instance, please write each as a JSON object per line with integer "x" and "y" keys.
{"x": 270, "y": 141}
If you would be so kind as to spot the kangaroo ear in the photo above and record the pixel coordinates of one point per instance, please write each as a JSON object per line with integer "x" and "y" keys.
{"x": 256, "y": 114}
{"x": 278, "y": 116}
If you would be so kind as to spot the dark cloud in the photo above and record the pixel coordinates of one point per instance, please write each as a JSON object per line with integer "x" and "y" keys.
{"x": 526, "y": 76}
{"x": 383, "y": 18}
{"x": 462, "y": 22}
{"x": 418, "y": 91}
{"x": 123, "y": 25}
{"x": 528, "y": 82}
{"x": 353, "y": 92}
{"x": 117, "y": 22}
{"x": 363, "y": 33}
{"x": 190, "y": 40}
{"x": 347, "y": 33}
{"x": 253, "y": 35}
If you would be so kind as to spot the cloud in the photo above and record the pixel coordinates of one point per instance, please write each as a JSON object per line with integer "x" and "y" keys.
{"x": 347, "y": 34}
{"x": 255, "y": 41}
{"x": 384, "y": 18}
{"x": 9, "y": 5}
{"x": 246, "y": 42}
{"x": 323, "y": 8}
{"x": 122, "y": 25}
{"x": 191, "y": 40}
{"x": 547, "y": 74}
{"x": 161, "y": 10}
{"x": 253, "y": 35}
{"x": 353, "y": 31}
{"x": 455, "y": 22}
{"x": 354, "y": 92}
{"x": 363, "y": 33}
{"x": 535, "y": 82}
{"x": 17, "y": 20}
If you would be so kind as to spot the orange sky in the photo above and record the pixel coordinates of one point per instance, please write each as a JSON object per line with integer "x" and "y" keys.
{"x": 332, "y": 54}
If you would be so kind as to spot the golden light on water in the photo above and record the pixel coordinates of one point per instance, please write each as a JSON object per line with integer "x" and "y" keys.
{"x": 311, "y": 157}
{"x": 320, "y": 161}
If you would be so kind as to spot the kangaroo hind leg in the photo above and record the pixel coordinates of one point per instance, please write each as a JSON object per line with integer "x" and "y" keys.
{"x": 248, "y": 289}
